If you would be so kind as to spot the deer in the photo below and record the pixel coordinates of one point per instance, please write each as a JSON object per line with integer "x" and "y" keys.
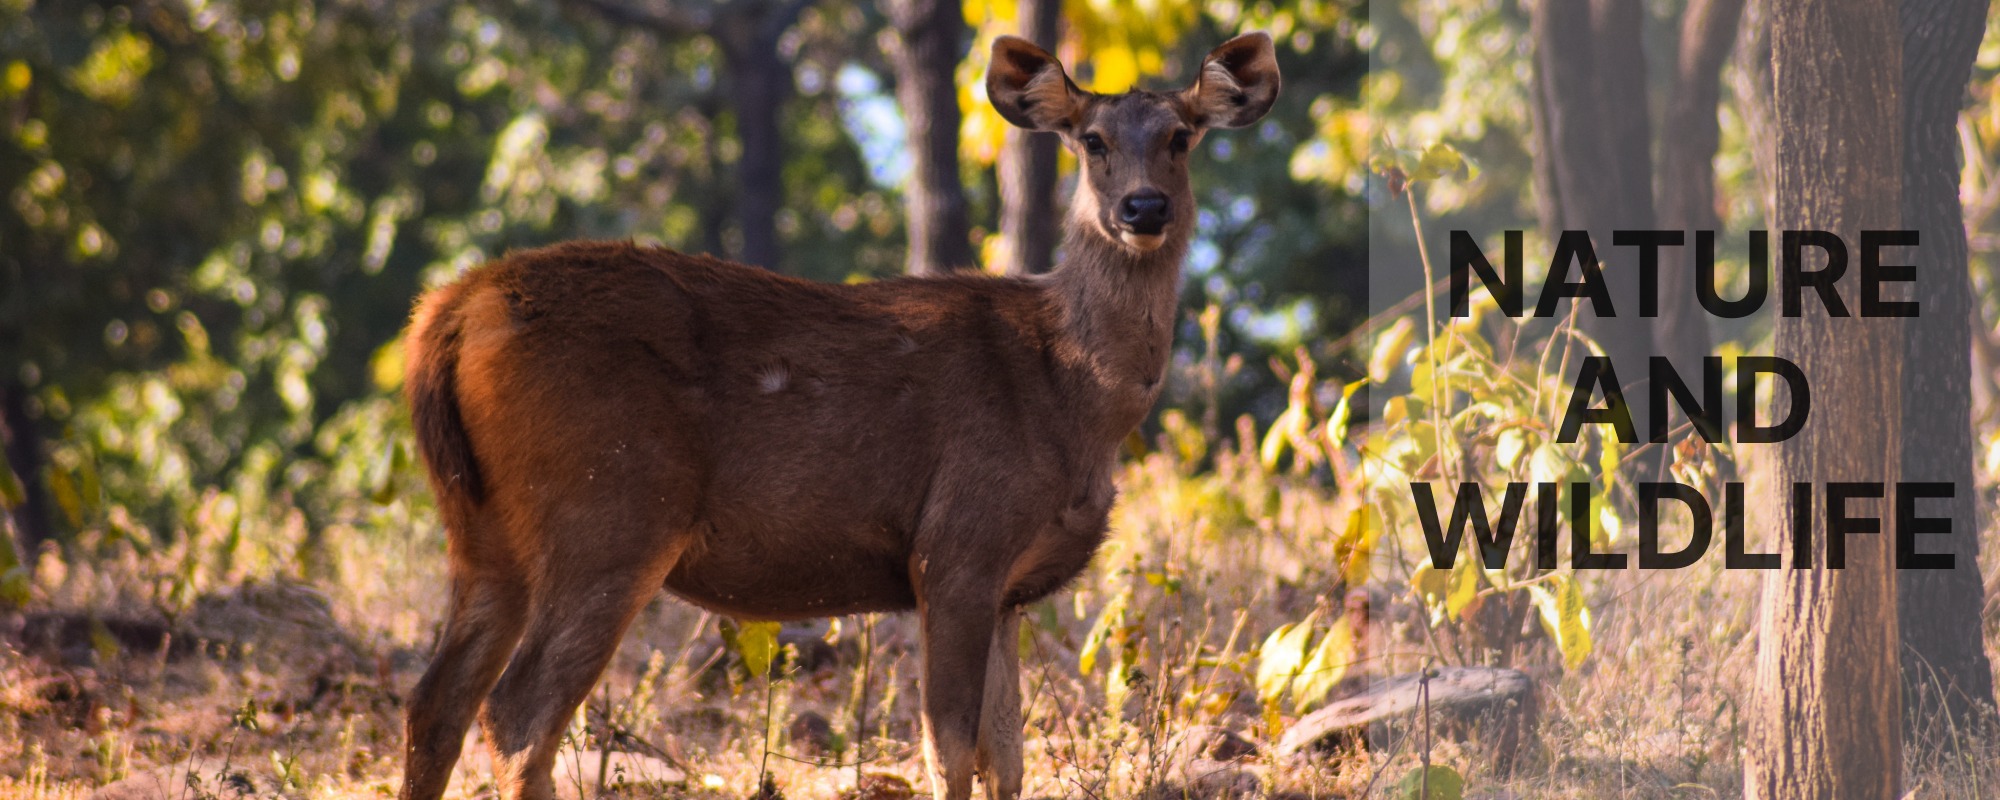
{"x": 602, "y": 420}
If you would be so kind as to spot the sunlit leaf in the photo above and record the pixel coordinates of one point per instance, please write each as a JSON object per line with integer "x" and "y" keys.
{"x": 1464, "y": 587}
{"x": 1336, "y": 423}
{"x": 1565, "y": 618}
{"x": 1436, "y": 782}
{"x": 1390, "y": 347}
{"x": 1281, "y": 658}
{"x": 11, "y": 493}
{"x": 756, "y": 643}
{"x": 1108, "y": 620}
{"x": 1326, "y": 667}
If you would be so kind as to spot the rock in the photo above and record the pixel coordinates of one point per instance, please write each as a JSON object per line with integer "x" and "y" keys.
{"x": 272, "y": 623}
{"x": 1204, "y": 779}
{"x": 811, "y": 733}
{"x": 1496, "y": 706}
{"x": 1212, "y": 743}
{"x": 199, "y": 778}
{"x": 576, "y": 774}
{"x": 880, "y": 786}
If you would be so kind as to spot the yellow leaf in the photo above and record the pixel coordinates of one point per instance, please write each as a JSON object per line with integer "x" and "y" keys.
{"x": 1464, "y": 587}
{"x": 1327, "y": 666}
{"x": 1364, "y": 529}
{"x": 754, "y": 642}
{"x": 1281, "y": 658}
{"x": 1565, "y": 618}
{"x": 1112, "y": 617}
{"x": 1390, "y": 347}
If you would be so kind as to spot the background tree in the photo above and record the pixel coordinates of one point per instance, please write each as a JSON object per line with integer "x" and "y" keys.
{"x": 1947, "y": 678}
{"x": 1826, "y": 717}
{"x": 930, "y": 39}
{"x": 1030, "y": 220}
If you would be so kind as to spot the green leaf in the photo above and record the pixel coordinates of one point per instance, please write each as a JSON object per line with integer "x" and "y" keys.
{"x": 1336, "y": 424}
{"x": 14, "y": 583}
{"x": 1444, "y": 783}
{"x": 1464, "y": 587}
{"x": 1390, "y": 347}
{"x": 1565, "y": 618}
{"x": 1326, "y": 667}
{"x": 1108, "y": 620}
{"x": 1438, "y": 160}
{"x": 11, "y": 493}
{"x": 1507, "y": 449}
{"x": 1429, "y": 583}
{"x": 64, "y": 489}
{"x": 1281, "y": 658}
{"x": 756, "y": 643}
{"x": 1278, "y": 436}
{"x": 1364, "y": 530}
{"x": 1548, "y": 464}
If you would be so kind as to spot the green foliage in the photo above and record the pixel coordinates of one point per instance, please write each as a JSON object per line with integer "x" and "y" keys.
{"x": 755, "y": 644}
{"x": 1435, "y": 782}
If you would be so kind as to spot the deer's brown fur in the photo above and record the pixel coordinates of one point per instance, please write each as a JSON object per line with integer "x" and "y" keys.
{"x": 601, "y": 419}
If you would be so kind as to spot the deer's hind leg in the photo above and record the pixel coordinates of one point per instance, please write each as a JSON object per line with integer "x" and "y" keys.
{"x": 575, "y": 624}
{"x": 999, "y": 754}
{"x": 484, "y": 623}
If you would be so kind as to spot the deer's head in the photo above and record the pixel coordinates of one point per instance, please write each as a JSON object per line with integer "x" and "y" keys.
{"x": 1133, "y": 147}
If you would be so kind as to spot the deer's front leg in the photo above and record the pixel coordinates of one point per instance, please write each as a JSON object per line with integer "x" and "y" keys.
{"x": 958, "y": 623}
{"x": 1000, "y": 715}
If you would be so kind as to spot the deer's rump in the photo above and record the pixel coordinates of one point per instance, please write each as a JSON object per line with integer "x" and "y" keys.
{"x": 786, "y": 436}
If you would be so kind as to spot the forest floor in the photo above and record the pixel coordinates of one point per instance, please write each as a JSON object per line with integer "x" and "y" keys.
{"x": 267, "y": 685}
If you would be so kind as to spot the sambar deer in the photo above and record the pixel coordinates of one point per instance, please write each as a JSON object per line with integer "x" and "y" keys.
{"x": 601, "y": 420}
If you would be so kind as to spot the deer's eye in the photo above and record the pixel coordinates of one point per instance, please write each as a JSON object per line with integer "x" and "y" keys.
{"x": 1179, "y": 143}
{"x": 1093, "y": 144}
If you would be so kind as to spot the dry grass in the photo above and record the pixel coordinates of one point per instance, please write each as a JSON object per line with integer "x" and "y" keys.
{"x": 297, "y": 686}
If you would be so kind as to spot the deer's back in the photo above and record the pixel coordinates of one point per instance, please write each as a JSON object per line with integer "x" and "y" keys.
{"x": 793, "y": 426}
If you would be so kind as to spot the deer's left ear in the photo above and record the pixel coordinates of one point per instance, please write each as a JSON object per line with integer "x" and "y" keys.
{"x": 1239, "y": 81}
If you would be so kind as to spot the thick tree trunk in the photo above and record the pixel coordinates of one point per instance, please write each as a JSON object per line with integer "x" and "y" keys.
{"x": 1689, "y": 137}
{"x": 1594, "y": 161}
{"x": 1751, "y": 85}
{"x": 32, "y": 521}
{"x": 931, "y": 38}
{"x": 760, "y": 82}
{"x": 1028, "y": 218}
{"x": 1826, "y": 712}
{"x": 1946, "y": 675}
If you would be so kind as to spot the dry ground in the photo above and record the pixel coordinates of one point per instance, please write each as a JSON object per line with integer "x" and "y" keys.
{"x": 295, "y": 687}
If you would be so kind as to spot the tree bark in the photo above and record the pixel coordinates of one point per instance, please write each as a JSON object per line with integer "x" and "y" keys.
{"x": 32, "y": 521}
{"x": 1752, "y": 87}
{"x": 1594, "y": 162}
{"x": 1826, "y": 709}
{"x": 1946, "y": 675}
{"x": 1028, "y": 219}
{"x": 760, "y": 82}
{"x": 930, "y": 40}
{"x": 1689, "y": 137}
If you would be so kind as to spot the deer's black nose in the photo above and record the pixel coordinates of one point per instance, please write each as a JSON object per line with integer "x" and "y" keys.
{"x": 1145, "y": 211}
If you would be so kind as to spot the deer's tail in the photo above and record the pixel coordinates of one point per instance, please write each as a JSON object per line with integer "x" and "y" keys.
{"x": 430, "y": 383}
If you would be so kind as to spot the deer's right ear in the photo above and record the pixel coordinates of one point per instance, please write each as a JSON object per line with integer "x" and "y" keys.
{"x": 1029, "y": 88}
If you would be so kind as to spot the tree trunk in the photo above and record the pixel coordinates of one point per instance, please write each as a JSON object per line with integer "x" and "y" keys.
{"x": 1594, "y": 162}
{"x": 1028, "y": 219}
{"x": 32, "y": 521}
{"x": 1751, "y": 82}
{"x": 1946, "y": 675}
{"x": 760, "y": 82}
{"x": 1688, "y": 140}
{"x": 1825, "y": 716}
{"x": 931, "y": 37}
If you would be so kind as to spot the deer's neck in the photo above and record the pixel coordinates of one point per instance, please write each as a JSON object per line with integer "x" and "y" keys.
{"x": 1117, "y": 309}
